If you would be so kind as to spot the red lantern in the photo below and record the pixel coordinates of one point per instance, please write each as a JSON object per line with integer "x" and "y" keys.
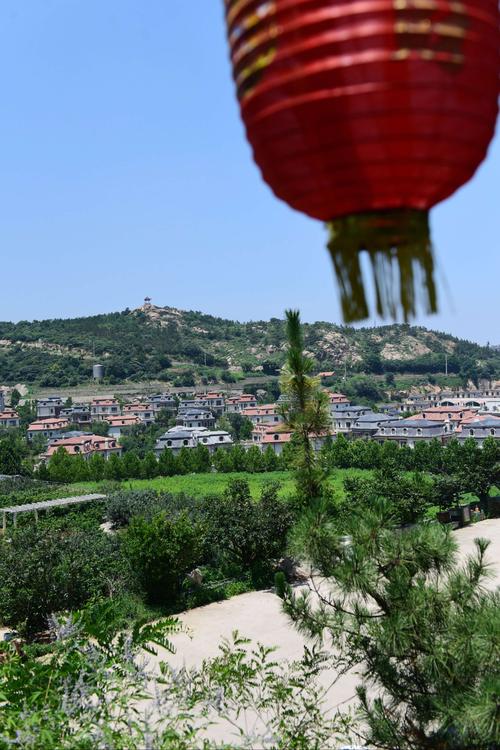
{"x": 365, "y": 114}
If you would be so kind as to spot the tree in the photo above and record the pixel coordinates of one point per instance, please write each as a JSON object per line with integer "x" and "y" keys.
{"x": 271, "y": 460}
{"x": 99, "y": 428}
{"x": 239, "y": 426}
{"x": 305, "y": 409}
{"x": 15, "y": 398}
{"x": 244, "y": 533}
{"x": 113, "y": 468}
{"x": 44, "y": 569}
{"x": 132, "y": 465}
{"x": 11, "y": 456}
{"x": 97, "y": 465}
{"x": 254, "y": 460}
{"x": 200, "y": 459}
{"x": 161, "y": 552}
{"x": 60, "y": 466}
{"x": 421, "y": 629}
{"x": 149, "y": 468}
{"x": 167, "y": 465}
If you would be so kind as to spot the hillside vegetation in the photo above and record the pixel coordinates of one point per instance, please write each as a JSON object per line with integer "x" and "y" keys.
{"x": 182, "y": 347}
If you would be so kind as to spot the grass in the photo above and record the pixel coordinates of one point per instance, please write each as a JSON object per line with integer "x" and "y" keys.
{"x": 207, "y": 484}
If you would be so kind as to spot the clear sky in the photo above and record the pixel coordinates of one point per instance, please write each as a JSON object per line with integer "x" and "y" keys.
{"x": 124, "y": 173}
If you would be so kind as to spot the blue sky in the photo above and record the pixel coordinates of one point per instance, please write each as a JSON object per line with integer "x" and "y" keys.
{"x": 125, "y": 173}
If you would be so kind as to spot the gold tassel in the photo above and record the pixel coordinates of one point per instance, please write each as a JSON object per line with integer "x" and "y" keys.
{"x": 399, "y": 246}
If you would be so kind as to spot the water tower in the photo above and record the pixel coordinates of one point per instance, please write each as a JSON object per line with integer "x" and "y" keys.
{"x": 98, "y": 372}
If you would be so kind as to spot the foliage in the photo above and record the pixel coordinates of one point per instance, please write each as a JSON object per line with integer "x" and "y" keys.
{"x": 422, "y": 630}
{"x": 95, "y": 689}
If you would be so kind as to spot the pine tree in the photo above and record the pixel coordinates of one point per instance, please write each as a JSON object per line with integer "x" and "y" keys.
{"x": 423, "y": 631}
{"x": 305, "y": 409}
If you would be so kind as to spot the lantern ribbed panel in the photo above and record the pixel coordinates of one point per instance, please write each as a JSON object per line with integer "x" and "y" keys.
{"x": 354, "y": 106}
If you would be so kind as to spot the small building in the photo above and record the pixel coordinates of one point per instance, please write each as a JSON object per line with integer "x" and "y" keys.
{"x": 263, "y": 414}
{"x": 85, "y": 445}
{"x": 102, "y": 408}
{"x": 49, "y": 407}
{"x": 9, "y": 418}
{"x": 121, "y": 424}
{"x": 48, "y": 428}
{"x": 190, "y": 437}
{"x": 145, "y": 412}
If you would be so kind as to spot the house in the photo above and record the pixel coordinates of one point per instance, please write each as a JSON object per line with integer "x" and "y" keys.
{"x": 411, "y": 431}
{"x": 417, "y": 402}
{"x": 48, "y": 428}
{"x": 84, "y": 445}
{"x": 163, "y": 401}
{"x": 344, "y": 418}
{"x": 263, "y": 414}
{"x": 236, "y": 404}
{"x": 196, "y": 418}
{"x": 190, "y": 437}
{"x": 276, "y": 439}
{"x": 77, "y": 414}
{"x": 479, "y": 428}
{"x": 368, "y": 424}
{"x": 453, "y": 415}
{"x": 9, "y": 418}
{"x": 214, "y": 401}
{"x": 145, "y": 412}
{"x": 338, "y": 401}
{"x": 49, "y": 407}
{"x": 121, "y": 423}
{"x": 102, "y": 408}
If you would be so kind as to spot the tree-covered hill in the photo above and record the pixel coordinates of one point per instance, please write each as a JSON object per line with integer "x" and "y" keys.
{"x": 176, "y": 346}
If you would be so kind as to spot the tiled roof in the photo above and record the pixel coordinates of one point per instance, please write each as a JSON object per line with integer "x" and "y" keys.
{"x": 48, "y": 424}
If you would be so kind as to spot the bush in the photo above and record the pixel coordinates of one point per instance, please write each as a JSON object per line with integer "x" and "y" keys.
{"x": 161, "y": 552}
{"x": 45, "y": 569}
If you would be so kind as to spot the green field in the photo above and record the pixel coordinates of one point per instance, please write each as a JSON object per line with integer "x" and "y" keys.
{"x": 206, "y": 484}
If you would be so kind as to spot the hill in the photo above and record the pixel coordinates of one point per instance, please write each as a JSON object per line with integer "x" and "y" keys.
{"x": 179, "y": 347}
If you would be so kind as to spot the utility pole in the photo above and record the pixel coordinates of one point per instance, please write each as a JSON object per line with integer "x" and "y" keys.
{"x": 446, "y": 365}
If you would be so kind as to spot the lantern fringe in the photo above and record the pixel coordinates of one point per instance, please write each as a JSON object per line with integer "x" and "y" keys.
{"x": 399, "y": 246}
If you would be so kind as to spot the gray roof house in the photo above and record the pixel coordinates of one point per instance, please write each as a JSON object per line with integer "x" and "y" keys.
{"x": 343, "y": 420}
{"x": 479, "y": 430}
{"x": 411, "y": 431}
{"x": 368, "y": 424}
{"x": 190, "y": 437}
{"x": 195, "y": 418}
{"x": 49, "y": 407}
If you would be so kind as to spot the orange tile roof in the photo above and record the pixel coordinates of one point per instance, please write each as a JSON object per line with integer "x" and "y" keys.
{"x": 48, "y": 424}
{"x": 124, "y": 419}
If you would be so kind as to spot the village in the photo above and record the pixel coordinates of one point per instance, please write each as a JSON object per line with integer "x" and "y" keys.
{"x": 199, "y": 418}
